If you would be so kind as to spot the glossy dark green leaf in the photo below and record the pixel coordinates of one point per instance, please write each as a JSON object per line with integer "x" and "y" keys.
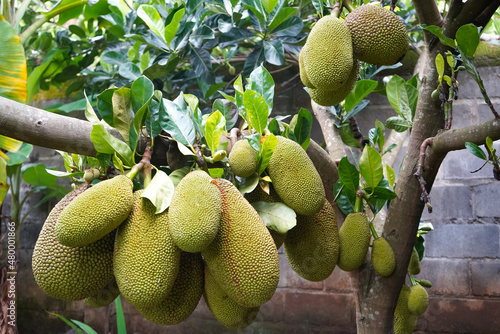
{"x": 254, "y": 60}
{"x": 370, "y": 166}
{"x": 129, "y": 71}
{"x": 141, "y": 92}
{"x": 274, "y": 53}
{"x": 104, "y": 142}
{"x": 344, "y": 198}
{"x": 360, "y": 91}
{"x": 302, "y": 127}
{"x": 357, "y": 108}
{"x": 38, "y": 176}
{"x": 266, "y": 151}
{"x": 254, "y": 141}
{"x": 438, "y": 32}
{"x": 347, "y": 136}
{"x": 318, "y": 5}
{"x": 269, "y": 5}
{"x": 349, "y": 175}
{"x": 257, "y": 110}
{"x": 153, "y": 122}
{"x": 209, "y": 90}
{"x": 397, "y": 123}
{"x": 467, "y": 37}
{"x": 113, "y": 58}
{"x": 200, "y": 34}
{"x": 202, "y": 64}
{"x": 290, "y": 28}
{"x": 152, "y": 18}
{"x": 176, "y": 121}
{"x": 381, "y": 193}
{"x": 173, "y": 26}
{"x": 228, "y": 109}
{"x": 397, "y": 94}
{"x": 475, "y": 150}
{"x": 274, "y": 127}
{"x": 20, "y": 156}
{"x": 262, "y": 82}
{"x": 105, "y": 105}
{"x": 284, "y": 14}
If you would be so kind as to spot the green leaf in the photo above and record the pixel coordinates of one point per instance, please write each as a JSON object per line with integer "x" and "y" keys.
{"x": 67, "y": 322}
{"x": 344, "y": 198}
{"x": 229, "y": 110}
{"x": 274, "y": 52}
{"x": 266, "y": 151}
{"x": 214, "y": 127}
{"x": 398, "y": 124}
{"x": 391, "y": 175}
{"x": 129, "y": 71}
{"x": 401, "y": 96}
{"x": 90, "y": 113}
{"x": 257, "y": 110}
{"x": 255, "y": 141}
{"x": 437, "y": 31}
{"x": 177, "y": 175}
{"x": 467, "y": 37}
{"x": 123, "y": 116}
{"x": 360, "y": 91}
{"x": 216, "y": 172}
{"x": 105, "y": 105}
{"x": 370, "y": 166}
{"x": 120, "y": 318}
{"x": 248, "y": 184}
{"x": 159, "y": 191}
{"x": 254, "y": 59}
{"x": 277, "y": 216}
{"x": 440, "y": 65}
{"x": 12, "y": 64}
{"x": 489, "y": 143}
{"x": 349, "y": 175}
{"x": 447, "y": 79}
{"x": 85, "y": 327}
{"x": 475, "y": 150}
{"x": 144, "y": 62}
{"x": 177, "y": 122}
{"x": 302, "y": 127}
{"x": 381, "y": 193}
{"x": 318, "y": 5}
{"x": 67, "y": 9}
{"x": 262, "y": 82}
{"x": 202, "y": 65}
{"x": 10, "y": 144}
{"x": 347, "y": 136}
{"x": 284, "y": 14}
{"x": 153, "y": 20}
{"x": 274, "y": 127}
{"x": 113, "y": 58}
{"x": 104, "y": 142}
{"x": 20, "y": 156}
{"x": 172, "y": 28}
{"x": 269, "y": 5}
{"x": 38, "y": 176}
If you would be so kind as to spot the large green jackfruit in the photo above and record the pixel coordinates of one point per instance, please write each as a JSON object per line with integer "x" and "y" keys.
{"x": 146, "y": 260}
{"x": 96, "y": 212}
{"x": 105, "y": 296}
{"x": 184, "y": 295}
{"x": 295, "y": 178}
{"x": 71, "y": 273}
{"x": 378, "y": 35}
{"x": 331, "y": 98}
{"x": 404, "y": 321}
{"x": 312, "y": 246}
{"x": 226, "y": 311}
{"x": 418, "y": 300}
{"x": 195, "y": 212}
{"x": 303, "y": 74}
{"x": 243, "y": 257}
{"x": 328, "y": 54}
{"x": 243, "y": 159}
{"x": 354, "y": 236}
{"x": 383, "y": 258}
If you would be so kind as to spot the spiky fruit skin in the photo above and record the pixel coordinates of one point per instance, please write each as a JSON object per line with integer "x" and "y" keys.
{"x": 226, "y": 311}
{"x": 414, "y": 265}
{"x": 328, "y": 54}
{"x": 243, "y": 159}
{"x": 302, "y": 71}
{"x": 279, "y": 238}
{"x": 383, "y": 258}
{"x": 418, "y": 300}
{"x": 378, "y": 36}
{"x": 146, "y": 260}
{"x": 312, "y": 246}
{"x": 354, "y": 236}
{"x": 184, "y": 295}
{"x": 404, "y": 321}
{"x": 331, "y": 98}
{"x": 295, "y": 178}
{"x": 71, "y": 273}
{"x": 243, "y": 257}
{"x": 195, "y": 212}
{"x": 105, "y": 296}
{"x": 95, "y": 213}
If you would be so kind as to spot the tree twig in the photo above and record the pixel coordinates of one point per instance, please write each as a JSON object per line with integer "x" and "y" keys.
{"x": 420, "y": 169}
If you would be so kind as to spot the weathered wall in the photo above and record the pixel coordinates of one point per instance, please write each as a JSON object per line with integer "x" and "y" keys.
{"x": 462, "y": 256}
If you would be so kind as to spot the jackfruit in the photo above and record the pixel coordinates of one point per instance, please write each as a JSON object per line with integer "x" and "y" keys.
{"x": 105, "y": 296}
{"x": 226, "y": 311}
{"x": 243, "y": 257}
{"x": 404, "y": 321}
{"x": 425, "y": 283}
{"x": 383, "y": 258}
{"x": 328, "y": 54}
{"x": 414, "y": 265}
{"x": 71, "y": 273}
{"x": 378, "y": 35}
{"x": 303, "y": 74}
{"x": 96, "y": 212}
{"x": 331, "y": 98}
{"x": 418, "y": 300}
{"x": 243, "y": 159}
{"x": 354, "y": 236}
{"x": 312, "y": 246}
{"x": 146, "y": 260}
{"x": 184, "y": 295}
{"x": 279, "y": 238}
{"x": 295, "y": 178}
{"x": 195, "y": 212}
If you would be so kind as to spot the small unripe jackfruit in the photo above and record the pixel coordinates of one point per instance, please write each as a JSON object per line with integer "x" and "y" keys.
{"x": 312, "y": 246}
{"x": 146, "y": 260}
{"x": 295, "y": 178}
{"x": 226, "y": 311}
{"x": 195, "y": 212}
{"x": 71, "y": 273}
{"x": 243, "y": 257}
{"x": 243, "y": 159}
{"x": 327, "y": 54}
{"x": 414, "y": 266}
{"x": 404, "y": 321}
{"x": 96, "y": 212}
{"x": 418, "y": 300}
{"x": 425, "y": 283}
{"x": 383, "y": 258}
{"x": 105, "y": 296}
{"x": 184, "y": 295}
{"x": 354, "y": 236}
{"x": 331, "y": 98}
{"x": 378, "y": 35}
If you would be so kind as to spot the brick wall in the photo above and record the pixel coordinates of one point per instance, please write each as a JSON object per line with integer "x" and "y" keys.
{"x": 462, "y": 256}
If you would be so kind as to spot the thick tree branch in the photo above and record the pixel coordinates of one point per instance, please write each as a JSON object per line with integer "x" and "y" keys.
{"x": 428, "y": 13}
{"x": 334, "y": 143}
{"x": 468, "y": 12}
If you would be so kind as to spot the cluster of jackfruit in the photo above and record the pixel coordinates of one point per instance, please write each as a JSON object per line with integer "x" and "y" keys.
{"x": 329, "y": 62}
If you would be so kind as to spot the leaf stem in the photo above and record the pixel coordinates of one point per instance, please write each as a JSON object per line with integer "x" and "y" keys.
{"x": 374, "y": 233}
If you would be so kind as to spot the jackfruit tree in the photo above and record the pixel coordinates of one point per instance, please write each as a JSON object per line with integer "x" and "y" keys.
{"x": 189, "y": 184}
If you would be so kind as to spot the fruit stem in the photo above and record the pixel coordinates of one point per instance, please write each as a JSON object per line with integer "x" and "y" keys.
{"x": 145, "y": 161}
{"x": 374, "y": 233}
{"x": 348, "y": 5}
{"x": 413, "y": 280}
{"x": 358, "y": 205}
